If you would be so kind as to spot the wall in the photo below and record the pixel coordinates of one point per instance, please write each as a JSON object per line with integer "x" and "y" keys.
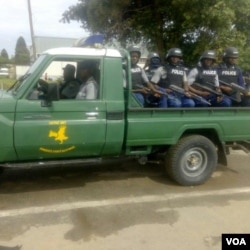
{"x": 20, "y": 70}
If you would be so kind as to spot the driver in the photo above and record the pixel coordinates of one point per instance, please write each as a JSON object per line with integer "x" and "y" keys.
{"x": 70, "y": 86}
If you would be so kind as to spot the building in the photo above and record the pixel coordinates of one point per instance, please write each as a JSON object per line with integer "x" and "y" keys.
{"x": 4, "y": 72}
{"x": 43, "y": 43}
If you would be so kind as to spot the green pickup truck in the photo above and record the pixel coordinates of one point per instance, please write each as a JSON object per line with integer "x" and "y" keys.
{"x": 48, "y": 130}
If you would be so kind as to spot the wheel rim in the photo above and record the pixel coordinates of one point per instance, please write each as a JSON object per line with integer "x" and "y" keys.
{"x": 194, "y": 162}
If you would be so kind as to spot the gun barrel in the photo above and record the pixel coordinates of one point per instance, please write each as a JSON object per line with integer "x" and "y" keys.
{"x": 235, "y": 86}
{"x": 177, "y": 89}
{"x": 182, "y": 91}
{"x": 204, "y": 87}
{"x": 150, "y": 90}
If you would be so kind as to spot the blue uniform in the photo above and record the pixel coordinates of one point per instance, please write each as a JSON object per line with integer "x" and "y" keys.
{"x": 233, "y": 74}
{"x": 205, "y": 76}
{"x": 172, "y": 75}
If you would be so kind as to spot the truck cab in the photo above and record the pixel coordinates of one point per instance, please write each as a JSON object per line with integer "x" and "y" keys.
{"x": 37, "y": 128}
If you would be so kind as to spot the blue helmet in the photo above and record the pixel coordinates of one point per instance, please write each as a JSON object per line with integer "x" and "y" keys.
{"x": 154, "y": 60}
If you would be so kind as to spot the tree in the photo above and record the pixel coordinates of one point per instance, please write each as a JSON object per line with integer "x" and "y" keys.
{"x": 22, "y": 55}
{"x": 4, "y": 54}
{"x": 4, "y": 57}
{"x": 193, "y": 25}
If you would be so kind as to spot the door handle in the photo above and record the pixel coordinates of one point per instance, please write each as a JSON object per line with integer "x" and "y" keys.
{"x": 37, "y": 117}
{"x": 92, "y": 114}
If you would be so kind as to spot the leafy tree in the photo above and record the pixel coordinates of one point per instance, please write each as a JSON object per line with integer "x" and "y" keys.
{"x": 22, "y": 55}
{"x": 193, "y": 25}
{"x": 4, "y": 57}
{"x": 4, "y": 54}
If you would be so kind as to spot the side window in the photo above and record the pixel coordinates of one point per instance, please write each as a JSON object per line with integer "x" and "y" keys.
{"x": 55, "y": 71}
{"x": 79, "y": 79}
{"x": 54, "y": 74}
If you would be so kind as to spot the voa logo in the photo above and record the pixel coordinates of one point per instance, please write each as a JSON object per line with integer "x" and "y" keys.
{"x": 236, "y": 241}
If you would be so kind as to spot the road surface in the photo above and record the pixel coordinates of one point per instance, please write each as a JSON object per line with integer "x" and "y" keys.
{"x": 125, "y": 207}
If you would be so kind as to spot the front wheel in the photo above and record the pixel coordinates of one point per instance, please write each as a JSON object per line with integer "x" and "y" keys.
{"x": 192, "y": 160}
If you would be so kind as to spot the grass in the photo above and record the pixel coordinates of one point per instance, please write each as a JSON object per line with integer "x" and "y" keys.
{"x": 5, "y": 83}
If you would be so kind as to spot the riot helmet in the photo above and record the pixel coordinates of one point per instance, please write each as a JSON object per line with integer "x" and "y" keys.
{"x": 154, "y": 60}
{"x": 173, "y": 56}
{"x": 230, "y": 52}
{"x": 174, "y": 52}
{"x": 208, "y": 54}
{"x": 153, "y": 55}
{"x": 134, "y": 49}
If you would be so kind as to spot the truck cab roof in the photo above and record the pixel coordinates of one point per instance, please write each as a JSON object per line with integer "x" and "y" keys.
{"x": 84, "y": 52}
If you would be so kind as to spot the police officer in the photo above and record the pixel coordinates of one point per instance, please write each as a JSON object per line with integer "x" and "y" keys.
{"x": 173, "y": 74}
{"x": 205, "y": 74}
{"x": 89, "y": 87}
{"x": 152, "y": 64}
{"x": 70, "y": 86}
{"x": 141, "y": 87}
{"x": 229, "y": 72}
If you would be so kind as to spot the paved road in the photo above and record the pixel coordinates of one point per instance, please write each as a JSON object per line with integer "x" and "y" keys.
{"x": 127, "y": 207}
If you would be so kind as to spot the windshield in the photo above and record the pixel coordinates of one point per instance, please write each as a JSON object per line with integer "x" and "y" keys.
{"x": 36, "y": 64}
{"x": 20, "y": 82}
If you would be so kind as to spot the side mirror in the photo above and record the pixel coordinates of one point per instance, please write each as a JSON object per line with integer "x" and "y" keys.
{"x": 49, "y": 94}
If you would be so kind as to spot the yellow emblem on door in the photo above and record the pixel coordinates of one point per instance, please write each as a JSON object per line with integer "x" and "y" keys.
{"x": 60, "y": 134}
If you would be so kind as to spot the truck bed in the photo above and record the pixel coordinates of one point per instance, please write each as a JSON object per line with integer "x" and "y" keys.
{"x": 155, "y": 126}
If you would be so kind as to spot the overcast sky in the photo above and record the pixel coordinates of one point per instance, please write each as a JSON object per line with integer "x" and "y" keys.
{"x": 46, "y": 14}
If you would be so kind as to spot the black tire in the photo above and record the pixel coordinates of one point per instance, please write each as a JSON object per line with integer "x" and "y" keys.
{"x": 192, "y": 160}
{"x": 1, "y": 174}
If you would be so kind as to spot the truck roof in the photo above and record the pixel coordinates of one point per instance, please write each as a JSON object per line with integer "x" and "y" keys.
{"x": 84, "y": 52}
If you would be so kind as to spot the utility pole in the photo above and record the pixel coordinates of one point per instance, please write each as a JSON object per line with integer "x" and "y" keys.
{"x": 32, "y": 31}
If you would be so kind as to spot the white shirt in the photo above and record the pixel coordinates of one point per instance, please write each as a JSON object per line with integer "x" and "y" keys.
{"x": 88, "y": 90}
{"x": 161, "y": 73}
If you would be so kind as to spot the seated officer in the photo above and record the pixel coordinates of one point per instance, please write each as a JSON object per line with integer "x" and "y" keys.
{"x": 173, "y": 74}
{"x": 229, "y": 72}
{"x": 152, "y": 64}
{"x": 70, "y": 86}
{"x": 142, "y": 89}
{"x": 88, "y": 88}
{"x": 206, "y": 76}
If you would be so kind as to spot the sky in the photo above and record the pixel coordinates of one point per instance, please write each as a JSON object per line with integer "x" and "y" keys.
{"x": 46, "y": 15}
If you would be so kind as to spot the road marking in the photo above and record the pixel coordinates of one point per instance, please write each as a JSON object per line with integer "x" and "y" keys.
{"x": 120, "y": 201}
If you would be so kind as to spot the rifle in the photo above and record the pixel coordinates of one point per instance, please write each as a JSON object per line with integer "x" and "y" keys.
{"x": 149, "y": 101}
{"x": 194, "y": 96}
{"x": 237, "y": 89}
{"x": 206, "y": 88}
{"x": 151, "y": 91}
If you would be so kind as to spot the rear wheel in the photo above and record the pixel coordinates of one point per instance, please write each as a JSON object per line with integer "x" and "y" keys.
{"x": 192, "y": 160}
{"x": 1, "y": 173}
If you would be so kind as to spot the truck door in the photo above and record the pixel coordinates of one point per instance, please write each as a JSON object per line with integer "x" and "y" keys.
{"x": 68, "y": 128}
